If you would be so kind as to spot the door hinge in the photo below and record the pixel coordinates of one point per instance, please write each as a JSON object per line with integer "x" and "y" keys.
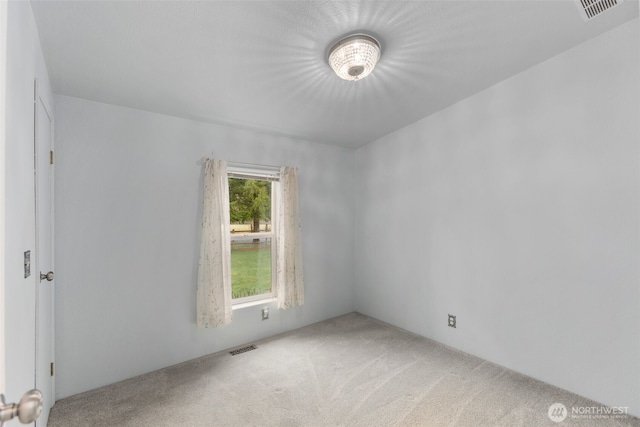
{"x": 51, "y": 368}
{"x": 51, "y": 157}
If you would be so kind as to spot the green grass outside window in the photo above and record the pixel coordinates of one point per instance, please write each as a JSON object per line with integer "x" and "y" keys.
{"x": 250, "y": 268}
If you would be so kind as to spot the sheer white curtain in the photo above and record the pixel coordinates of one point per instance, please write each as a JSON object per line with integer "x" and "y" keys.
{"x": 289, "y": 282}
{"x": 213, "y": 305}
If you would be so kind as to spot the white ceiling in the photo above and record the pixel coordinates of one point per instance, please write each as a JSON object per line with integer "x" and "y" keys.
{"x": 262, "y": 64}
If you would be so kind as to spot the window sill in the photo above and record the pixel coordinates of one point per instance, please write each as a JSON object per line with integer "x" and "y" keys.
{"x": 252, "y": 303}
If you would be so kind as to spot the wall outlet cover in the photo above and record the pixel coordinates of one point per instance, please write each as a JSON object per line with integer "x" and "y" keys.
{"x": 452, "y": 321}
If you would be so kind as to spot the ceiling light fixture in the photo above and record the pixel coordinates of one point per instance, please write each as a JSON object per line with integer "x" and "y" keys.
{"x": 353, "y": 57}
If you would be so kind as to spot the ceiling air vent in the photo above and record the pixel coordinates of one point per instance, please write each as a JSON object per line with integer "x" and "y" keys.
{"x": 592, "y": 8}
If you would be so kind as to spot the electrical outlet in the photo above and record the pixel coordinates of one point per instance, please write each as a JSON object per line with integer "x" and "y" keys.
{"x": 265, "y": 313}
{"x": 452, "y": 321}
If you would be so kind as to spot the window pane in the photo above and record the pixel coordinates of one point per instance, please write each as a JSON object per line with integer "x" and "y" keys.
{"x": 250, "y": 267}
{"x": 249, "y": 205}
{"x": 250, "y": 212}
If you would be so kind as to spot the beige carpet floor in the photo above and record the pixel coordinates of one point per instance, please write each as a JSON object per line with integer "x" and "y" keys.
{"x": 347, "y": 371}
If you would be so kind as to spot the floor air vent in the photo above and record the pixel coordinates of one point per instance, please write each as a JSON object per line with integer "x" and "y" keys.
{"x": 592, "y": 8}
{"x": 242, "y": 350}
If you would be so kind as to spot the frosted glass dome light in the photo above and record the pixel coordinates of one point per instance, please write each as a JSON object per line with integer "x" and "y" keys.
{"x": 354, "y": 57}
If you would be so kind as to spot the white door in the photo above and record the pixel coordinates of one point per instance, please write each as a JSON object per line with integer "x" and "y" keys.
{"x": 28, "y": 404}
{"x": 3, "y": 80}
{"x": 44, "y": 257}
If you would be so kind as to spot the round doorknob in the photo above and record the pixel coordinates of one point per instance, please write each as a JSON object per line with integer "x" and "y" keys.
{"x": 30, "y": 406}
{"x": 48, "y": 276}
{"x": 27, "y": 410}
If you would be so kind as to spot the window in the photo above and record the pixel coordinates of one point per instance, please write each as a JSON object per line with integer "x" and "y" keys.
{"x": 253, "y": 245}
{"x": 273, "y": 193}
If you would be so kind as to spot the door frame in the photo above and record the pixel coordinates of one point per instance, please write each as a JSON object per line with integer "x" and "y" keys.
{"x": 49, "y": 211}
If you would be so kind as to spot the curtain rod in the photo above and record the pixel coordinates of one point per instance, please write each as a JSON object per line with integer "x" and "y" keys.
{"x": 248, "y": 165}
{"x": 240, "y": 164}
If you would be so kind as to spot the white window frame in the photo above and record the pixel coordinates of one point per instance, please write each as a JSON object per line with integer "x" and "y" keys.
{"x": 261, "y": 173}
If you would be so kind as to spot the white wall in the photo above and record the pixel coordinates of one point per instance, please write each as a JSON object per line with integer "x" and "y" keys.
{"x": 128, "y": 210}
{"x": 24, "y": 64}
{"x": 526, "y": 196}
